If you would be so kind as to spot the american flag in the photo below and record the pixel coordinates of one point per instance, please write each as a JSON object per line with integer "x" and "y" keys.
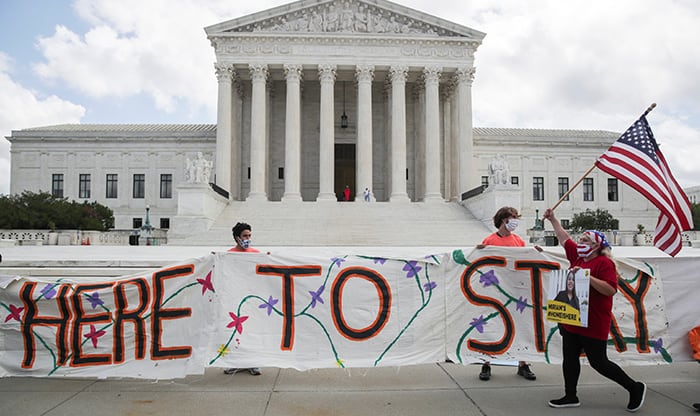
{"x": 636, "y": 160}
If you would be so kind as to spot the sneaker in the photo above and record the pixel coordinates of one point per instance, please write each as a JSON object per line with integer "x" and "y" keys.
{"x": 637, "y": 397}
{"x": 697, "y": 407}
{"x": 254, "y": 371}
{"x": 230, "y": 371}
{"x": 565, "y": 401}
{"x": 524, "y": 370}
{"x": 485, "y": 372}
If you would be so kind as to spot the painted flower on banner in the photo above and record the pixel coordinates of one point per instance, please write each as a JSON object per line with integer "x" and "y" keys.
{"x": 236, "y": 322}
{"x": 379, "y": 260}
{"x": 520, "y": 306}
{"x": 95, "y": 300}
{"x": 223, "y": 350}
{"x": 269, "y": 305}
{"x": 658, "y": 345}
{"x": 93, "y": 335}
{"x": 489, "y": 278}
{"x": 206, "y": 283}
{"x": 316, "y": 296}
{"x": 337, "y": 261}
{"x": 412, "y": 268}
{"x": 15, "y": 312}
{"x": 48, "y": 291}
{"x": 478, "y": 323}
{"x": 429, "y": 286}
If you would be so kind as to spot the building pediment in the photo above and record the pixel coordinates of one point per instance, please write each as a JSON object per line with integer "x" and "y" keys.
{"x": 344, "y": 17}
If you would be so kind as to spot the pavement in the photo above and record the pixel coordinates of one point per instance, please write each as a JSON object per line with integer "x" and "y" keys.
{"x": 432, "y": 389}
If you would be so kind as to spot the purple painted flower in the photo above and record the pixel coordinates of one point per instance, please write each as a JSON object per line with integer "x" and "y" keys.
{"x": 316, "y": 296}
{"x": 489, "y": 278}
{"x": 337, "y": 261}
{"x": 95, "y": 300}
{"x": 478, "y": 323}
{"x": 48, "y": 291}
{"x": 412, "y": 268}
{"x": 379, "y": 260}
{"x": 429, "y": 286}
{"x": 520, "y": 306}
{"x": 269, "y": 305}
{"x": 658, "y": 345}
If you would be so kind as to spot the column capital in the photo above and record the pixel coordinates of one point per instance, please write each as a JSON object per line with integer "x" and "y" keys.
{"x": 224, "y": 72}
{"x": 258, "y": 72}
{"x": 293, "y": 72}
{"x": 398, "y": 73}
{"x": 431, "y": 74}
{"x": 327, "y": 72}
{"x": 465, "y": 74}
{"x": 364, "y": 73}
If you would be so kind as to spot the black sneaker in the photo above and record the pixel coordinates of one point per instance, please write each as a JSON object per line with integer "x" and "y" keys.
{"x": 254, "y": 371}
{"x": 485, "y": 374}
{"x": 524, "y": 371}
{"x": 637, "y": 397}
{"x": 697, "y": 407}
{"x": 230, "y": 371}
{"x": 565, "y": 401}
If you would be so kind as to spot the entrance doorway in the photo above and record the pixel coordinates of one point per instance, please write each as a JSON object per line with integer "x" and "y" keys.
{"x": 344, "y": 170}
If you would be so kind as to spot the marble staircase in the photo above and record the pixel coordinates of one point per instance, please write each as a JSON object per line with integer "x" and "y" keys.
{"x": 345, "y": 224}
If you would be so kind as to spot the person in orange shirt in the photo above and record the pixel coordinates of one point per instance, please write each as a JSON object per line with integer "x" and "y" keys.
{"x": 506, "y": 221}
{"x": 242, "y": 234}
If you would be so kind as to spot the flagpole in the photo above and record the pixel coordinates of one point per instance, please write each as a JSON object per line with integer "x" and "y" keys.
{"x": 563, "y": 197}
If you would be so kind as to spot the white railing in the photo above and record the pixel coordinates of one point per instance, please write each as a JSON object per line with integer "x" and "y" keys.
{"x": 77, "y": 237}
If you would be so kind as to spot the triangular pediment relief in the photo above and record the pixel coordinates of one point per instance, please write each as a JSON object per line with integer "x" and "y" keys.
{"x": 344, "y": 17}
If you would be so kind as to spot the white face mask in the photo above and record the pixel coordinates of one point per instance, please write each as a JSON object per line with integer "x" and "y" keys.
{"x": 512, "y": 224}
{"x": 246, "y": 243}
{"x": 583, "y": 250}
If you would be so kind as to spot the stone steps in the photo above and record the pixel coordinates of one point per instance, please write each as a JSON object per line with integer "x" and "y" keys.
{"x": 346, "y": 224}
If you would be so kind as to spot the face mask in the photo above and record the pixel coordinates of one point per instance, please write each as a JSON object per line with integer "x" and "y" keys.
{"x": 246, "y": 243}
{"x": 584, "y": 250}
{"x": 512, "y": 224}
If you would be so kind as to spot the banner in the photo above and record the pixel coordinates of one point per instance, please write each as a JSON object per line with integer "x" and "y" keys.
{"x": 262, "y": 310}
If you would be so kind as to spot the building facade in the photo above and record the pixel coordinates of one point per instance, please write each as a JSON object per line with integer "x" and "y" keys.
{"x": 318, "y": 95}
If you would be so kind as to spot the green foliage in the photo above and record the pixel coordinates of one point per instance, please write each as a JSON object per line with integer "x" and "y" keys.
{"x": 696, "y": 216}
{"x": 599, "y": 219}
{"x": 43, "y": 211}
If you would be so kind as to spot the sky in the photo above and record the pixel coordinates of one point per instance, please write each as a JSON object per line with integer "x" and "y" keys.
{"x": 544, "y": 64}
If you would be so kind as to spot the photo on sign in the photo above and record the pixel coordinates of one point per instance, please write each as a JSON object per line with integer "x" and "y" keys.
{"x": 568, "y": 297}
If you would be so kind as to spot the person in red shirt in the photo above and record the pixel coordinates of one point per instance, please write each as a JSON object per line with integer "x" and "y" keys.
{"x": 242, "y": 234}
{"x": 591, "y": 252}
{"x": 506, "y": 221}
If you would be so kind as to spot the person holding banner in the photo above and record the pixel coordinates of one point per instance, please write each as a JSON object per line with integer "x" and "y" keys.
{"x": 589, "y": 254}
{"x": 568, "y": 295}
{"x": 242, "y": 234}
{"x": 506, "y": 221}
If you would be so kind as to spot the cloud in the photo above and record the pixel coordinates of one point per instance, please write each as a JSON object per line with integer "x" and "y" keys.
{"x": 21, "y": 108}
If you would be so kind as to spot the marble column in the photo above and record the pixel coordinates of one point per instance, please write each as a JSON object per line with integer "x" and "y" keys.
{"x": 364, "y": 75}
{"x": 432, "y": 134}
{"x": 292, "y": 141}
{"x": 258, "y": 137}
{"x": 326, "y": 179}
{"x": 223, "y": 127}
{"x": 398, "y": 133}
{"x": 468, "y": 178}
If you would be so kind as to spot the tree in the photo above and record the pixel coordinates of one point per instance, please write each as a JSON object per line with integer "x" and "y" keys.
{"x": 599, "y": 219}
{"x": 696, "y": 215}
{"x": 44, "y": 211}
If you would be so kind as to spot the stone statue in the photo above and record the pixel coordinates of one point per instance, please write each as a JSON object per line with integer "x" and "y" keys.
{"x": 198, "y": 170}
{"x": 498, "y": 170}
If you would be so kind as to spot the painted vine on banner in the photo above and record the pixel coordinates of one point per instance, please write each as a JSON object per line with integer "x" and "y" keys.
{"x": 244, "y": 309}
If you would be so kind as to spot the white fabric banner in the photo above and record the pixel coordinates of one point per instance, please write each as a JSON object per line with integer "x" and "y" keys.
{"x": 262, "y": 310}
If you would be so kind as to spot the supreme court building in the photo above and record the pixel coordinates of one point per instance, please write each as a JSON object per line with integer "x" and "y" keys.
{"x": 317, "y": 95}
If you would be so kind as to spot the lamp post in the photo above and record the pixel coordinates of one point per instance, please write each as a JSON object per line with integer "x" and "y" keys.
{"x": 146, "y": 228}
